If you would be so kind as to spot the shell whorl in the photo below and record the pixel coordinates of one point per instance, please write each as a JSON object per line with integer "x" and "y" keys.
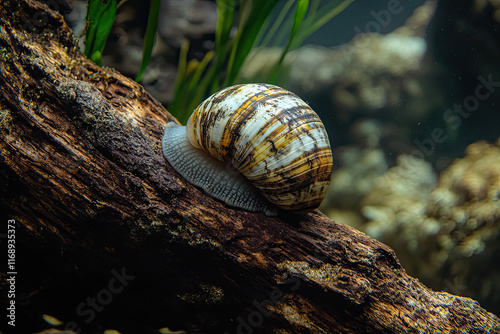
{"x": 272, "y": 137}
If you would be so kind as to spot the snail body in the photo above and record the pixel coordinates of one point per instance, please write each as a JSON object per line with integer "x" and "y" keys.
{"x": 276, "y": 143}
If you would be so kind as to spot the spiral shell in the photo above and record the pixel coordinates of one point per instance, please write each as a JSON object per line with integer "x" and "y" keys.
{"x": 272, "y": 137}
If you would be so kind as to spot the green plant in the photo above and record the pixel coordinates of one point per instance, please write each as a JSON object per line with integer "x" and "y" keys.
{"x": 99, "y": 21}
{"x": 257, "y": 24}
{"x": 149, "y": 38}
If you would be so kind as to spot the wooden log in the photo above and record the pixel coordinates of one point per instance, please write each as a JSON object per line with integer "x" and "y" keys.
{"x": 108, "y": 235}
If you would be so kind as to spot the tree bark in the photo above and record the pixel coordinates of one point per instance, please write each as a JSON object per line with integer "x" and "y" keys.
{"x": 109, "y": 236}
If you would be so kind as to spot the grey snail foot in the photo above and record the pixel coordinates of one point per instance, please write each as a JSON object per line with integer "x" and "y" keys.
{"x": 210, "y": 174}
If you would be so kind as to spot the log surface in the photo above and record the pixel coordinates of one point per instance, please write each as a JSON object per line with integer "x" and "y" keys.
{"x": 83, "y": 175}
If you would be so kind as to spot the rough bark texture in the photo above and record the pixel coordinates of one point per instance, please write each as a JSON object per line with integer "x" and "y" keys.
{"x": 83, "y": 175}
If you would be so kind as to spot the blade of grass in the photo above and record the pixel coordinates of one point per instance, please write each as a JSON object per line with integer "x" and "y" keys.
{"x": 266, "y": 38}
{"x": 251, "y": 18}
{"x": 99, "y": 21}
{"x": 225, "y": 17}
{"x": 313, "y": 7}
{"x": 283, "y": 35}
{"x": 189, "y": 90}
{"x": 149, "y": 38}
{"x": 255, "y": 17}
{"x": 265, "y": 35}
{"x": 200, "y": 69}
{"x": 300, "y": 13}
{"x": 180, "y": 87}
{"x": 204, "y": 88}
{"x": 194, "y": 87}
{"x": 330, "y": 10}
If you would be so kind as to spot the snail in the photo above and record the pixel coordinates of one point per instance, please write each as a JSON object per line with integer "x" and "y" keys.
{"x": 254, "y": 147}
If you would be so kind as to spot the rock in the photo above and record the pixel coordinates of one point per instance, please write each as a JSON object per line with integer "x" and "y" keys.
{"x": 447, "y": 235}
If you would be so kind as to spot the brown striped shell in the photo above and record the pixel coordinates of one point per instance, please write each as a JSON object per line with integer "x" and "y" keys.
{"x": 272, "y": 137}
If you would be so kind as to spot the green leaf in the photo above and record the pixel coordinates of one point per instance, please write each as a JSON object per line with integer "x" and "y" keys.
{"x": 149, "y": 38}
{"x": 196, "y": 87}
{"x": 100, "y": 18}
{"x": 275, "y": 26}
{"x": 256, "y": 22}
{"x": 252, "y": 16}
{"x": 96, "y": 57}
{"x": 180, "y": 86}
{"x": 300, "y": 13}
{"x": 225, "y": 17}
{"x": 319, "y": 19}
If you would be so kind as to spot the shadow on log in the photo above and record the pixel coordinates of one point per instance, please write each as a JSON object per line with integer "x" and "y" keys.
{"x": 109, "y": 236}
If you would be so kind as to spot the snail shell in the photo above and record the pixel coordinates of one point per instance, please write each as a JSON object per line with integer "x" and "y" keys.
{"x": 276, "y": 143}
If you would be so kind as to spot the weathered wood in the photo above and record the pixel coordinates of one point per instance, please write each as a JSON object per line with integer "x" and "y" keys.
{"x": 84, "y": 177}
